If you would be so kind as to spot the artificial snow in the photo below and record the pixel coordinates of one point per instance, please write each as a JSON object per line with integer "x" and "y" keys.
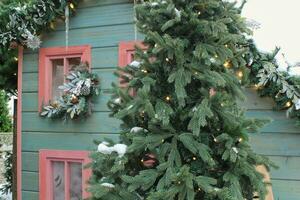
{"x": 297, "y": 105}
{"x": 135, "y": 64}
{"x": 177, "y": 12}
{"x": 119, "y": 148}
{"x": 109, "y": 185}
{"x": 235, "y": 150}
{"x": 137, "y": 129}
{"x": 117, "y": 100}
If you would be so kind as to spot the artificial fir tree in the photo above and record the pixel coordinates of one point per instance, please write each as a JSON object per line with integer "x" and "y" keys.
{"x": 183, "y": 134}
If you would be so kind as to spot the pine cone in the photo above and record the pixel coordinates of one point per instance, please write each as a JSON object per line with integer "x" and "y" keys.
{"x": 85, "y": 91}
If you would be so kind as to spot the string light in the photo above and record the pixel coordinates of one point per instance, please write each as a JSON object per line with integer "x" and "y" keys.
{"x": 179, "y": 182}
{"x": 226, "y": 45}
{"x": 168, "y": 98}
{"x": 240, "y": 140}
{"x": 227, "y": 64}
{"x": 167, "y": 59}
{"x": 199, "y": 189}
{"x": 288, "y": 104}
{"x": 222, "y": 104}
{"x": 145, "y": 71}
{"x": 215, "y": 139}
{"x": 142, "y": 160}
{"x": 196, "y": 73}
{"x": 16, "y": 59}
{"x": 162, "y": 140}
{"x": 194, "y": 158}
{"x": 52, "y": 26}
{"x": 72, "y": 5}
{"x": 240, "y": 74}
{"x": 216, "y": 56}
{"x": 199, "y": 13}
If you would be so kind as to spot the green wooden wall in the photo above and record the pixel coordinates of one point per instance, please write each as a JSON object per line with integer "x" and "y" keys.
{"x": 103, "y": 24}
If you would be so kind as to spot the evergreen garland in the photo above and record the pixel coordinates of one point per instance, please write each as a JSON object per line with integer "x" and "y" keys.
{"x": 283, "y": 88}
{"x": 79, "y": 90}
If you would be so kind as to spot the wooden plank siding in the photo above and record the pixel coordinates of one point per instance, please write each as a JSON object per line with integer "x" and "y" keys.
{"x": 103, "y": 24}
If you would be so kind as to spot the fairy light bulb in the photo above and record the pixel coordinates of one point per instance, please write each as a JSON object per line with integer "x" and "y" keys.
{"x": 72, "y": 6}
{"x": 179, "y": 182}
{"x": 142, "y": 160}
{"x": 167, "y": 59}
{"x": 240, "y": 74}
{"x": 16, "y": 58}
{"x": 199, "y": 189}
{"x": 194, "y": 158}
{"x": 168, "y": 98}
{"x": 288, "y": 104}
{"x": 162, "y": 140}
{"x": 199, "y": 13}
{"x": 227, "y": 64}
{"x": 216, "y": 56}
{"x": 226, "y": 45}
{"x": 240, "y": 140}
{"x": 145, "y": 71}
{"x": 215, "y": 140}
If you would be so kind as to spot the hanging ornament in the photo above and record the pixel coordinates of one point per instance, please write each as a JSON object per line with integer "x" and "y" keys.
{"x": 149, "y": 160}
{"x": 212, "y": 92}
{"x": 13, "y": 45}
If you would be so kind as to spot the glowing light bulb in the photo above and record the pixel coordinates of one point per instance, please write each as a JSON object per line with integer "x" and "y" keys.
{"x": 240, "y": 74}
{"x": 168, "y": 98}
{"x": 142, "y": 160}
{"x": 288, "y": 104}
{"x": 167, "y": 59}
{"x": 215, "y": 140}
{"x": 194, "y": 158}
{"x": 162, "y": 140}
{"x": 52, "y": 25}
{"x": 199, "y": 13}
{"x": 216, "y": 56}
{"x": 226, "y": 45}
{"x": 227, "y": 64}
{"x": 179, "y": 182}
{"x": 16, "y": 58}
{"x": 72, "y": 5}
{"x": 240, "y": 140}
{"x": 145, "y": 71}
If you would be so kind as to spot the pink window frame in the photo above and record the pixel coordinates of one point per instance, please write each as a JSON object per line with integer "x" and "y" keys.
{"x": 45, "y": 72}
{"x": 126, "y": 50}
{"x": 45, "y": 169}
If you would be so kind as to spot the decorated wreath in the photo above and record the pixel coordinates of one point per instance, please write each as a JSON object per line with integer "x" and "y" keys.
{"x": 80, "y": 88}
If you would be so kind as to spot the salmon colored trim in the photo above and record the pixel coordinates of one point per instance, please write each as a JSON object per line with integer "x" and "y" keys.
{"x": 125, "y": 47}
{"x": 45, "y": 72}
{"x": 19, "y": 124}
{"x": 45, "y": 169}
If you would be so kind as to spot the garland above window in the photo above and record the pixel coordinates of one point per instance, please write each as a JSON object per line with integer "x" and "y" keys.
{"x": 79, "y": 90}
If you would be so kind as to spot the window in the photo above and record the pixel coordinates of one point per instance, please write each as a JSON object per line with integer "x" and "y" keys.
{"x": 54, "y": 64}
{"x": 62, "y": 175}
{"x": 126, "y": 54}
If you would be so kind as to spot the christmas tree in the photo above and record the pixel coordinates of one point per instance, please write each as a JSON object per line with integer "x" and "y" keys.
{"x": 184, "y": 136}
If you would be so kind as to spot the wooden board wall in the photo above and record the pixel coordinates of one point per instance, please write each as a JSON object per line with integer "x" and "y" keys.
{"x": 103, "y": 24}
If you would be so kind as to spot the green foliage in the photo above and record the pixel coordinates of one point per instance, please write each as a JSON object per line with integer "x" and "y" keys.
{"x": 197, "y": 138}
{"x": 19, "y": 21}
{"x": 79, "y": 90}
{"x": 5, "y": 120}
{"x": 8, "y": 160}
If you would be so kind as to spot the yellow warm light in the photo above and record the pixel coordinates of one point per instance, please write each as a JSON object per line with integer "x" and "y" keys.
{"x": 16, "y": 59}
{"x": 72, "y": 5}
{"x": 288, "y": 104}
{"x": 227, "y": 64}
{"x": 167, "y": 59}
{"x": 168, "y": 98}
{"x": 226, "y": 45}
{"x": 240, "y": 74}
{"x": 194, "y": 158}
{"x": 240, "y": 140}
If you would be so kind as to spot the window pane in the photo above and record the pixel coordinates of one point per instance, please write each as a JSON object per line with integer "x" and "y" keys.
{"x": 58, "y": 180}
{"x": 75, "y": 181}
{"x": 73, "y": 62}
{"x": 57, "y": 77}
